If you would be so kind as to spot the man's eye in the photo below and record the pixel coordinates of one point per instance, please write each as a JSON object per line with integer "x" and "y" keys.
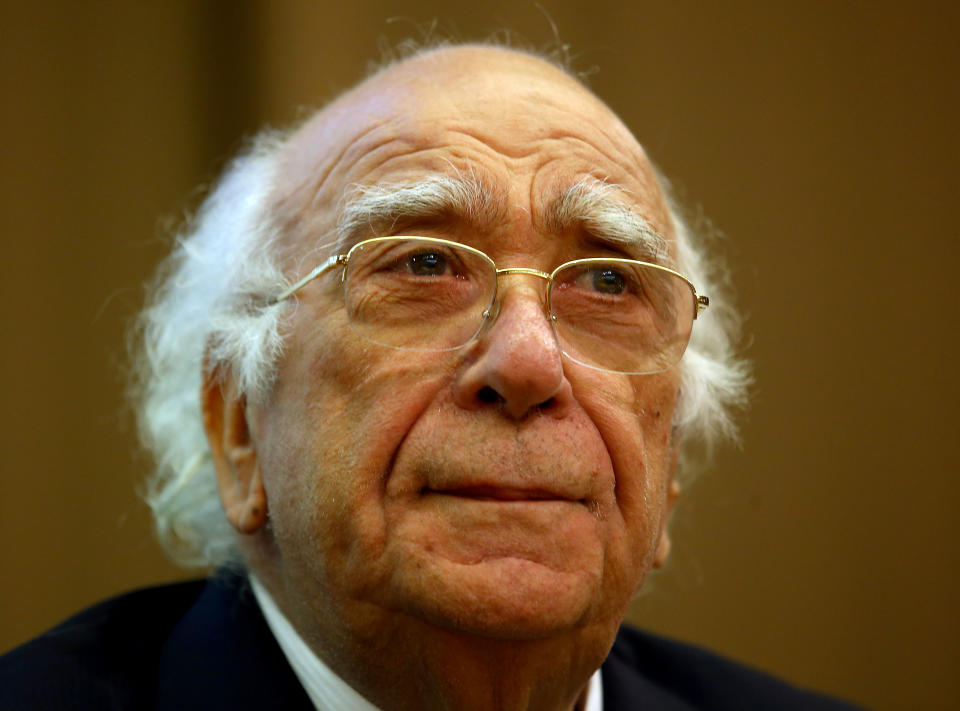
{"x": 607, "y": 281}
{"x": 427, "y": 264}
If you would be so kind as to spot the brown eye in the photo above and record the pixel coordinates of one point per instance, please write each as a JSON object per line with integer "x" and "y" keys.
{"x": 427, "y": 264}
{"x": 608, "y": 281}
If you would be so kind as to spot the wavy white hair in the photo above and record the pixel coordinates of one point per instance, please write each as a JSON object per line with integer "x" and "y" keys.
{"x": 210, "y": 305}
{"x": 201, "y": 307}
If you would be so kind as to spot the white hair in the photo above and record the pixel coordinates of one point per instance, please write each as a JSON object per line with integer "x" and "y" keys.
{"x": 206, "y": 305}
{"x": 211, "y": 306}
{"x": 714, "y": 379}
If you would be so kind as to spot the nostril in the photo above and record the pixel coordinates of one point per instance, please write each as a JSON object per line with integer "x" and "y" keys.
{"x": 488, "y": 395}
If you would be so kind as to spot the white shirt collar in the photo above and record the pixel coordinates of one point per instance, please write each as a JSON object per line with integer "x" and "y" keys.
{"x": 595, "y": 693}
{"x": 326, "y": 690}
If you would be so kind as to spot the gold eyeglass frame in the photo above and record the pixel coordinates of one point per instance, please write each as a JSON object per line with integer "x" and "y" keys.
{"x": 700, "y": 301}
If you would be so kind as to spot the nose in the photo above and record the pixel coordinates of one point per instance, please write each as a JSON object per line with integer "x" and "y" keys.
{"x": 516, "y": 364}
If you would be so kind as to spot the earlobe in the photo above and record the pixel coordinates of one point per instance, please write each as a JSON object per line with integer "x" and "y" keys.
{"x": 673, "y": 492}
{"x": 663, "y": 546}
{"x": 241, "y": 488}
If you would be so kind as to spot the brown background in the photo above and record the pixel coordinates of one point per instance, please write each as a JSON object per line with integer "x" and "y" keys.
{"x": 822, "y": 140}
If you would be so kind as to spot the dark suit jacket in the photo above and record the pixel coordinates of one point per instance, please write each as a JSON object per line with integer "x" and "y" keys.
{"x": 204, "y": 645}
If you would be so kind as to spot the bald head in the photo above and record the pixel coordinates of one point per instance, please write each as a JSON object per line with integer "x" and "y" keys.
{"x": 489, "y": 113}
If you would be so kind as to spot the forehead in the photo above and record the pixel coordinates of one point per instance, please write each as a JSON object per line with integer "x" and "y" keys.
{"x": 522, "y": 127}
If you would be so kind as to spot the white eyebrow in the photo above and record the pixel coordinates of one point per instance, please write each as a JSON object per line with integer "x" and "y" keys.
{"x": 375, "y": 210}
{"x": 591, "y": 203}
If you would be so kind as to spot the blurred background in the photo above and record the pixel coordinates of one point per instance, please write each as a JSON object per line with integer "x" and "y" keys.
{"x": 821, "y": 140}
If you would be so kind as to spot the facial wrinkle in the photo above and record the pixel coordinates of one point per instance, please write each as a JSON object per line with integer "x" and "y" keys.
{"x": 313, "y": 181}
{"x": 576, "y": 145}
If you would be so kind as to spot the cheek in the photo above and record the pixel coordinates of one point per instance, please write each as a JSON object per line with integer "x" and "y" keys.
{"x": 654, "y": 402}
{"x": 634, "y": 416}
{"x": 336, "y": 420}
{"x": 347, "y": 399}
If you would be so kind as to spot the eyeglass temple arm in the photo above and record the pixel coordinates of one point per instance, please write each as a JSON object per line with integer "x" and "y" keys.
{"x": 702, "y": 303}
{"x": 329, "y": 264}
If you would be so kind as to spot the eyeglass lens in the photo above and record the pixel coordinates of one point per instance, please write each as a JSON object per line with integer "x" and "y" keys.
{"x": 425, "y": 295}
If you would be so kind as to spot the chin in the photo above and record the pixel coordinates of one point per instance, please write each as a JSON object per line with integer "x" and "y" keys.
{"x": 502, "y": 598}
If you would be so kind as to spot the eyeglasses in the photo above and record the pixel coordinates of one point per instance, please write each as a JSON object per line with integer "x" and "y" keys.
{"x": 430, "y": 294}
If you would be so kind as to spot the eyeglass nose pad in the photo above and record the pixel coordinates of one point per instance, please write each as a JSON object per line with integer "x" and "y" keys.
{"x": 489, "y": 318}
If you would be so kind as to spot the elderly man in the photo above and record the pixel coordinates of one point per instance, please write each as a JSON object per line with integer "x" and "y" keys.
{"x": 417, "y": 380}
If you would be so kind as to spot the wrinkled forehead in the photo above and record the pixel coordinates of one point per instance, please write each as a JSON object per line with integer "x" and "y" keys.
{"x": 439, "y": 111}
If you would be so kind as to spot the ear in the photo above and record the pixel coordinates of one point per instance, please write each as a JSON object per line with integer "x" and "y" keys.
{"x": 234, "y": 454}
{"x": 673, "y": 492}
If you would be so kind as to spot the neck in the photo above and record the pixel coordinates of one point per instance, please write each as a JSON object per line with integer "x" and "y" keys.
{"x": 443, "y": 670}
{"x": 418, "y": 666}
{"x": 399, "y": 662}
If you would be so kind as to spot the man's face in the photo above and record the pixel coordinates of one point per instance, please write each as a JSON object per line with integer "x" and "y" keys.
{"x": 499, "y": 489}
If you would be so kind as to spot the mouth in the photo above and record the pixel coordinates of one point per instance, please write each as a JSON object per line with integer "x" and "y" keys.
{"x": 499, "y": 493}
